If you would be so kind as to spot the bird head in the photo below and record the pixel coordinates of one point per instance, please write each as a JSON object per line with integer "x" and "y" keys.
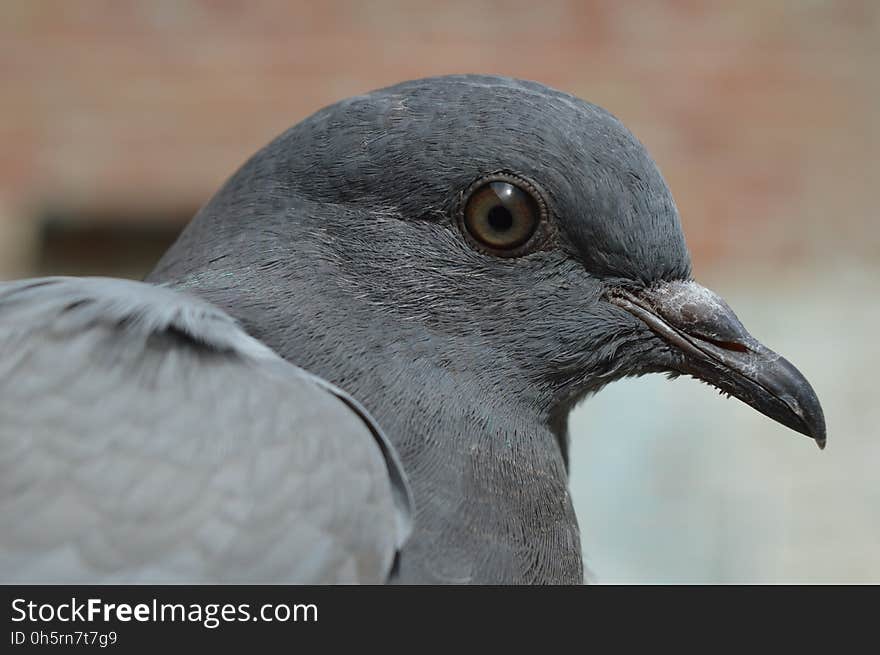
{"x": 526, "y": 234}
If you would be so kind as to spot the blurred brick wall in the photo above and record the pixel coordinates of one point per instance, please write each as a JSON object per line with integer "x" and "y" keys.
{"x": 763, "y": 116}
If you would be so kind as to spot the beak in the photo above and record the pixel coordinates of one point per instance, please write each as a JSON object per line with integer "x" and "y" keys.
{"x": 709, "y": 342}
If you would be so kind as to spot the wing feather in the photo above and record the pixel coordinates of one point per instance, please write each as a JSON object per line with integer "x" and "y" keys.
{"x": 144, "y": 437}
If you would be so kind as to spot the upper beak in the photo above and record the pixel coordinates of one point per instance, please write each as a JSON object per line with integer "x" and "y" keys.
{"x": 711, "y": 344}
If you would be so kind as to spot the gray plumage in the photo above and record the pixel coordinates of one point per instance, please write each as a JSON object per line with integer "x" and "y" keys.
{"x": 339, "y": 247}
{"x": 145, "y": 438}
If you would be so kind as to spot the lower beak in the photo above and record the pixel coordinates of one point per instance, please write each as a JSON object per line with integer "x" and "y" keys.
{"x": 711, "y": 344}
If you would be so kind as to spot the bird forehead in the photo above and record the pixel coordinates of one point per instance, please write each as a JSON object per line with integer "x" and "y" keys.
{"x": 416, "y": 147}
{"x": 615, "y": 211}
{"x": 433, "y": 133}
{"x": 499, "y": 113}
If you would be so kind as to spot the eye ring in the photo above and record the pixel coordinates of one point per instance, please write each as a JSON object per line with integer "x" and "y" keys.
{"x": 503, "y": 214}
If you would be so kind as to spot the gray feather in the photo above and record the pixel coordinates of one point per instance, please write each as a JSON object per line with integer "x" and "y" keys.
{"x": 187, "y": 448}
{"x": 144, "y": 437}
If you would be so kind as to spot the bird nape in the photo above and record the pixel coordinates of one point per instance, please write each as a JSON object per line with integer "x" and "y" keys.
{"x": 466, "y": 257}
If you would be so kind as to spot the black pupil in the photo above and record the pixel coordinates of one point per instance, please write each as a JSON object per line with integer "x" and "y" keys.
{"x": 500, "y": 218}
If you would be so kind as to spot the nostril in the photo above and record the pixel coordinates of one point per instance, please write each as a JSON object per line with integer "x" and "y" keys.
{"x": 727, "y": 345}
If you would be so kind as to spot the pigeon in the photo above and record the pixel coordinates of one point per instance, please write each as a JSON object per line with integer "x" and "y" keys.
{"x": 357, "y": 361}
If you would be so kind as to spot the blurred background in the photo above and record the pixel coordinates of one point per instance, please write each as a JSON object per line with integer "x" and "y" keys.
{"x": 119, "y": 119}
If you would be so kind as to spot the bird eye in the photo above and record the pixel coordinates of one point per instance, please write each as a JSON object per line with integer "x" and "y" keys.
{"x": 501, "y": 215}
